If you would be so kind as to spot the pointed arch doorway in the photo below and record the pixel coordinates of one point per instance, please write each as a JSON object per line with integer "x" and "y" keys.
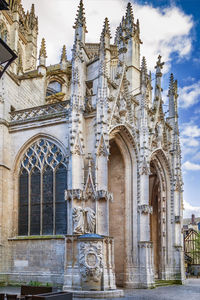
{"x": 116, "y": 185}
{"x": 155, "y": 219}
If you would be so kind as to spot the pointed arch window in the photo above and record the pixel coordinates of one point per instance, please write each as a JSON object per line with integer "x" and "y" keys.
{"x": 42, "y": 183}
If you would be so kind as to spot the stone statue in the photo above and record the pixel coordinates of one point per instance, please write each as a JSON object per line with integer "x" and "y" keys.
{"x": 78, "y": 219}
{"x": 90, "y": 220}
{"x": 84, "y": 220}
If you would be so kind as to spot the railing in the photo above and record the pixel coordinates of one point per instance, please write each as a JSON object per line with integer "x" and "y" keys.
{"x": 34, "y": 113}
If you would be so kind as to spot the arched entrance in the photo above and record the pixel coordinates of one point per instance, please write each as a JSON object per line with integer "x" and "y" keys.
{"x": 155, "y": 219}
{"x": 116, "y": 185}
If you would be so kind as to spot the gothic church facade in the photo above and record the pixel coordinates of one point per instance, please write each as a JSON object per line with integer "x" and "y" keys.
{"x": 86, "y": 151}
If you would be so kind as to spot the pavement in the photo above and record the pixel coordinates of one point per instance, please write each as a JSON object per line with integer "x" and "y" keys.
{"x": 189, "y": 291}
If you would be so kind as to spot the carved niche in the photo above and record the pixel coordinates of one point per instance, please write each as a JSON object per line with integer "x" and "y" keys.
{"x": 91, "y": 260}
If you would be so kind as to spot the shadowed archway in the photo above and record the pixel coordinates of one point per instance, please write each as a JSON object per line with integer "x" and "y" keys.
{"x": 116, "y": 185}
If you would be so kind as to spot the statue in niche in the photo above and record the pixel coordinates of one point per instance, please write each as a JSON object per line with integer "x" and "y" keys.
{"x": 90, "y": 220}
{"x": 84, "y": 220}
{"x": 78, "y": 219}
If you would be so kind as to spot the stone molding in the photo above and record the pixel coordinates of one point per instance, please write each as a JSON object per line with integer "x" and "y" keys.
{"x": 145, "y": 244}
{"x": 82, "y": 195}
{"x": 38, "y": 112}
{"x": 145, "y": 209}
{"x": 73, "y": 194}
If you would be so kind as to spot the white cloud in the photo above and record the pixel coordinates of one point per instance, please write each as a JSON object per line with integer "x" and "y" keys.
{"x": 189, "y": 210}
{"x": 163, "y": 31}
{"x": 191, "y": 166}
{"x": 189, "y": 95}
{"x": 191, "y": 131}
{"x": 191, "y": 142}
{"x": 190, "y": 139}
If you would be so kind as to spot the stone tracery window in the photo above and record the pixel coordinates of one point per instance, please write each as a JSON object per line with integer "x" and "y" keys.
{"x": 42, "y": 182}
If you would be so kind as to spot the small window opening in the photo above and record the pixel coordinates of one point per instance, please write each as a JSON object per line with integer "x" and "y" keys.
{"x": 54, "y": 87}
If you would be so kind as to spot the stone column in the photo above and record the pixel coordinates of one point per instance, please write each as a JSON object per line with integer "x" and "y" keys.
{"x": 145, "y": 246}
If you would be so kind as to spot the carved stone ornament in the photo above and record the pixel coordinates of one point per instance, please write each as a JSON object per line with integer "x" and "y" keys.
{"x": 73, "y": 194}
{"x": 102, "y": 148}
{"x": 102, "y": 194}
{"x": 84, "y": 220}
{"x": 78, "y": 220}
{"x": 145, "y": 209}
{"x": 91, "y": 261}
{"x": 144, "y": 168}
{"x": 145, "y": 244}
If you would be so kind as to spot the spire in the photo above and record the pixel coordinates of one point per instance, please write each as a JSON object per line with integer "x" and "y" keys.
{"x": 158, "y": 67}
{"x": 32, "y": 18}
{"x": 144, "y": 76}
{"x": 106, "y": 29}
{"x": 144, "y": 67}
{"x": 171, "y": 99}
{"x": 105, "y": 35}
{"x": 129, "y": 16}
{"x": 32, "y": 10}
{"x": 80, "y": 23}
{"x": 63, "y": 60}
{"x": 64, "y": 54}
{"x": 171, "y": 85}
{"x": 43, "y": 52}
{"x": 42, "y": 57}
{"x": 173, "y": 96}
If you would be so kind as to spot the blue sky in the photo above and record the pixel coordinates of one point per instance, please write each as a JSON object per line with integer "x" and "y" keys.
{"x": 169, "y": 28}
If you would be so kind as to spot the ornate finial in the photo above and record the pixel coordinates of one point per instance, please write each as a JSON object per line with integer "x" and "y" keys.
{"x": 171, "y": 84}
{"x": 32, "y": 10}
{"x": 105, "y": 42}
{"x": 63, "y": 55}
{"x": 80, "y": 17}
{"x": 129, "y": 15}
{"x": 144, "y": 65}
{"x": 43, "y": 52}
{"x": 106, "y": 28}
{"x": 159, "y": 65}
{"x": 144, "y": 76}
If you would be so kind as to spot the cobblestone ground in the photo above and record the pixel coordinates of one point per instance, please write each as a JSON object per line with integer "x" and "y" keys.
{"x": 189, "y": 291}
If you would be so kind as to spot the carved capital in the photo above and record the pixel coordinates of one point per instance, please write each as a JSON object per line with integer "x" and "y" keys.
{"x": 145, "y": 209}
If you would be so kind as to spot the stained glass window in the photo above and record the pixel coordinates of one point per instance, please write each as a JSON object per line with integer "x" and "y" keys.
{"x": 42, "y": 183}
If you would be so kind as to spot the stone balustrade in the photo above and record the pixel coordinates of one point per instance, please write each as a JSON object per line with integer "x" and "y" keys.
{"x": 33, "y": 113}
